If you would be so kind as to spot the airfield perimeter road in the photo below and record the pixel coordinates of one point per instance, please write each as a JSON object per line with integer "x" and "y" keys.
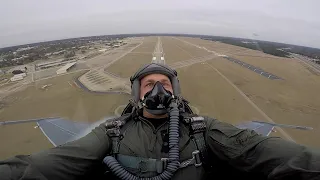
{"x": 217, "y": 87}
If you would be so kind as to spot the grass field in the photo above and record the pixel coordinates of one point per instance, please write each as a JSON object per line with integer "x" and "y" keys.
{"x": 213, "y": 96}
{"x": 172, "y": 52}
{"x": 147, "y": 46}
{"x": 127, "y": 65}
{"x": 62, "y": 99}
{"x": 293, "y": 100}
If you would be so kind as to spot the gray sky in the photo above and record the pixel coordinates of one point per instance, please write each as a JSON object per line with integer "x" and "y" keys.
{"x": 288, "y": 21}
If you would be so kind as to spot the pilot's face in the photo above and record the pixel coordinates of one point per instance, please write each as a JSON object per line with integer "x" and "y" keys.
{"x": 147, "y": 83}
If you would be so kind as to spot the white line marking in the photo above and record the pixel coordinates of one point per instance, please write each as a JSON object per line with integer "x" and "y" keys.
{"x": 252, "y": 103}
{"x": 248, "y": 99}
{"x": 54, "y": 144}
{"x": 158, "y": 55}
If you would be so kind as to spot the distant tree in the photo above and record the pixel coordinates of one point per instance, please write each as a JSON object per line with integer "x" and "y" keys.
{"x": 69, "y": 54}
{"x": 9, "y": 56}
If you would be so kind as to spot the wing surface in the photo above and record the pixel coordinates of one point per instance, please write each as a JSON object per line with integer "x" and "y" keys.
{"x": 265, "y": 128}
{"x": 260, "y": 128}
{"x": 59, "y": 131}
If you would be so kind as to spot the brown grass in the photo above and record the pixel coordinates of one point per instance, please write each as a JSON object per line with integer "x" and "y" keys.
{"x": 128, "y": 65}
{"x": 172, "y": 53}
{"x": 148, "y": 45}
{"x": 293, "y": 100}
{"x": 60, "y": 100}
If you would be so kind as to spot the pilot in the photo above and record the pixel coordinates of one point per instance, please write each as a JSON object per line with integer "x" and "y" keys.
{"x": 159, "y": 137}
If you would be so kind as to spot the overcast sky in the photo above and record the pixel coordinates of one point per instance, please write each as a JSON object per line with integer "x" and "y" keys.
{"x": 288, "y": 21}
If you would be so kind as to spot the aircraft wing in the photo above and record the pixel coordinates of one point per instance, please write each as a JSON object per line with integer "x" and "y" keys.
{"x": 59, "y": 131}
{"x": 260, "y": 128}
{"x": 266, "y": 128}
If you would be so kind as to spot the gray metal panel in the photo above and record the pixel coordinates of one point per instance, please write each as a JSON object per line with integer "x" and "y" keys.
{"x": 59, "y": 131}
{"x": 265, "y": 128}
{"x": 260, "y": 128}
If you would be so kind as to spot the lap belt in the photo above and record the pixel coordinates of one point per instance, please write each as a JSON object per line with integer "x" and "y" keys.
{"x": 142, "y": 164}
{"x": 197, "y": 129}
{"x": 155, "y": 165}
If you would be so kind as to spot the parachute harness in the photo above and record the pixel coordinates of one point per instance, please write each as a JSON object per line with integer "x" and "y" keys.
{"x": 172, "y": 103}
{"x": 173, "y": 163}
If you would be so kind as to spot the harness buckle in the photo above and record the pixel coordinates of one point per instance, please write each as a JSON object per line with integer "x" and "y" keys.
{"x": 197, "y": 125}
{"x": 162, "y": 165}
{"x": 143, "y": 167}
{"x": 197, "y": 158}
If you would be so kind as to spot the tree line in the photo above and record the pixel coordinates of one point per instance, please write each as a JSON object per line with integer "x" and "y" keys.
{"x": 268, "y": 47}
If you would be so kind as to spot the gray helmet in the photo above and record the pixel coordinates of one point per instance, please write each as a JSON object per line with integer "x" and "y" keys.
{"x": 152, "y": 69}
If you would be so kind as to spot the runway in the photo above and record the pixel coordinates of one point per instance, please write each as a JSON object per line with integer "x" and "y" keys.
{"x": 158, "y": 54}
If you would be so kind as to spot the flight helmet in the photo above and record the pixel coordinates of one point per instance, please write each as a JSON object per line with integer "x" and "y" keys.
{"x": 152, "y": 69}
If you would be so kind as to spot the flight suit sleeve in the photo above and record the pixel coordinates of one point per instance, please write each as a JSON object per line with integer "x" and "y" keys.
{"x": 269, "y": 157}
{"x": 72, "y": 160}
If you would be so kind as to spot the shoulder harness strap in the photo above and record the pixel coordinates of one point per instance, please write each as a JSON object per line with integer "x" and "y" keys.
{"x": 113, "y": 131}
{"x": 197, "y": 128}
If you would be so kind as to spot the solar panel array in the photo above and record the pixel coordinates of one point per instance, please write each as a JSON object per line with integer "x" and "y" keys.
{"x": 253, "y": 68}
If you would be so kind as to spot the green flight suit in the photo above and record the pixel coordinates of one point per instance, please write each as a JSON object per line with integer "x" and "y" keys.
{"x": 234, "y": 153}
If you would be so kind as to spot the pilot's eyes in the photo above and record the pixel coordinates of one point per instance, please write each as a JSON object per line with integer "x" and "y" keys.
{"x": 165, "y": 84}
{"x": 151, "y": 84}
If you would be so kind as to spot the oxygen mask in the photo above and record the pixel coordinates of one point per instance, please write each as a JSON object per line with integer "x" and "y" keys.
{"x": 157, "y": 100}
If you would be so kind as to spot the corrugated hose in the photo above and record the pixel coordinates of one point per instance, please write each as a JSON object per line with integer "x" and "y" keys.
{"x": 173, "y": 159}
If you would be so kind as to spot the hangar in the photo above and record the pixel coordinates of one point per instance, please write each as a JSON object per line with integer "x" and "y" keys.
{"x": 65, "y": 68}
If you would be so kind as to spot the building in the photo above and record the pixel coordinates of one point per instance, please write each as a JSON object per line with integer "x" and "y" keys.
{"x": 103, "y": 50}
{"x": 50, "y": 64}
{"x": 65, "y": 68}
{"x": 18, "y": 77}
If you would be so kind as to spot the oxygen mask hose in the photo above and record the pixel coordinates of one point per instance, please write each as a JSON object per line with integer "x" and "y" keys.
{"x": 174, "y": 156}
